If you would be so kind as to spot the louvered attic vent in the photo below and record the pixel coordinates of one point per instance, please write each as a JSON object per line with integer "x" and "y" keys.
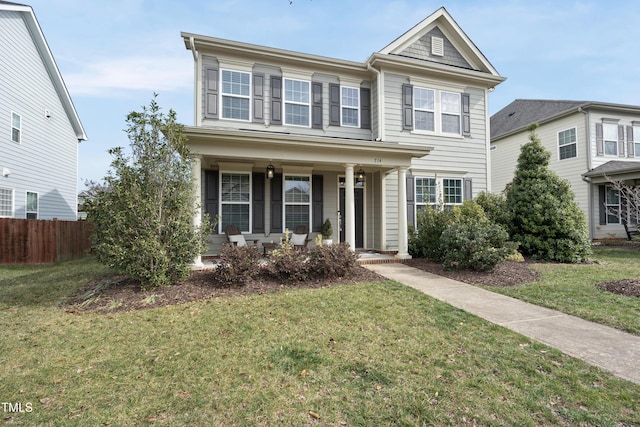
{"x": 437, "y": 46}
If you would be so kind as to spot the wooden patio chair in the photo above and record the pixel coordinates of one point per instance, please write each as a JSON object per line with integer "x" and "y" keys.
{"x": 300, "y": 237}
{"x": 235, "y": 236}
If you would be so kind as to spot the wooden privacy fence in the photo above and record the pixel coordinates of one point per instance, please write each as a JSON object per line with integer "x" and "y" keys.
{"x": 26, "y": 241}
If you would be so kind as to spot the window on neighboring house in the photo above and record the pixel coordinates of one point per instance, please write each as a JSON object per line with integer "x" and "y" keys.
{"x": 636, "y": 141}
{"x": 426, "y": 193}
{"x": 424, "y": 109}
{"x": 6, "y": 202}
{"x": 296, "y": 102}
{"x": 16, "y": 127}
{"x": 297, "y": 201}
{"x": 450, "y": 105}
{"x": 350, "y": 106}
{"x": 610, "y": 136}
{"x": 32, "y": 205}
{"x": 612, "y": 204}
{"x": 236, "y": 95}
{"x": 452, "y": 191}
{"x": 235, "y": 200}
{"x": 567, "y": 144}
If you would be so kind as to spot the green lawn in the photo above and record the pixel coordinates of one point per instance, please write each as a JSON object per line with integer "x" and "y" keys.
{"x": 572, "y": 288}
{"x": 356, "y": 355}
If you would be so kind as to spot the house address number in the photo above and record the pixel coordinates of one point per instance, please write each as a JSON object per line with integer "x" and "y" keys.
{"x": 377, "y": 160}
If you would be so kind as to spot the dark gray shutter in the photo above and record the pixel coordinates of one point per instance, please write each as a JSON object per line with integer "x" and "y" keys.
{"x": 365, "y": 108}
{"x": 466, "y": 114}
{"x": 211, "y": 93}
{"x": 334, "y": 104}
{"x": 258, "y": 202}
{"x": 630, "y": 146}
{"x": 258, "y": 98}
{"x": 407, "y": 106}
{"x": 276, "y": 100}
{"x": 602, "y": 198}
{"x": 211, "y": 194}
{"x": 316, "y": 105}
{"x": 621, "y": 141}
{"x": 317, "y": 192}
{"x": 599, "y": 140}
{"x": 276, "y": 203}
{"x": 411, "y": 200}
{"x": 467, "y": 185}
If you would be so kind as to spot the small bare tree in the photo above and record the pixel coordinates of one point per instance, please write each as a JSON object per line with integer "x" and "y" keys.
{"x": 629, "y": 199}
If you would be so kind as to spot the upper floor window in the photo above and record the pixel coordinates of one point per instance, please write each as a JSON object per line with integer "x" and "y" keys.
{"x": 450, "y": 106}
{"x": 636, "y": 141}
{"x": 424, "y": 109}
{"x": 297, "y": 201}
{"x": 567, "y": 144}
{"x": 16, "y": 127}
{"x": 350, "y": 106}
{"x": 6, "y": 202}
{"x": 235, "y": 200}
{"x": 296, "y": 102}
{"x": 32, "y": 205}
{"x": 610, "y": 136}
{"x": 236, "y": 95}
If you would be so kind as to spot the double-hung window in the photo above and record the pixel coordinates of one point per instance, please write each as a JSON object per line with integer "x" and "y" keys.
{"x": 235, "y": 200}
{"x": 636, "y": 141}
{"x": 567, "y": 144}
{"x": 424, "y": 109}
{"x": 612, "y": 205}
{"x": 236, "y": 95}
{"x": 296, "y": 102}
{"x": 452, "y": 191}
{"x": 610, "y": 136}
{"x": 297, "y": 201}
{"x": 426, "y": 193}
{"x": 450, "y": 112}
{"x": 16, "y": 127}
{"x": 6, "y": 202}
{"x": 32, "y": 205}
{"x": 350, "y": 101}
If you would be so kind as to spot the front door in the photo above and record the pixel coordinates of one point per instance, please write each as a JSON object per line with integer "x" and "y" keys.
{"x": 358, "y": 194}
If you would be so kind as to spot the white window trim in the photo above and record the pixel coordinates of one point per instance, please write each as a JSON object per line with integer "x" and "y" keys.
{"x": 461, "y": 191}
{"x": 26, "y": 204}
{"x": 12, "y": 207}
{"x": 437, "y": 113}
{"x": 11, "y": 128}
{"x": 607, "y": 206}
{"x": 285, "y": 101}
{"x": 435, "y": 120}
{"x": 223, "y": 94}
{"x": 574, "y": 143}
{"x": 343, "y": 107}
{"x": 415, "y": 187}
{"x": 249, "y": 203}
{"x": 636, "y": 140}
{"x": 442, "y": 113}
{"x": 439, "y": 182}
{"x": 604, "y": 140}
{"x": 285, "y": 204}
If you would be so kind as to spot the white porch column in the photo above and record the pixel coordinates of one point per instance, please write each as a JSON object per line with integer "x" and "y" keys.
{"x": 350, "y": 208}
{"x": 196, "y": 172}
{"x": 403, "y": 235}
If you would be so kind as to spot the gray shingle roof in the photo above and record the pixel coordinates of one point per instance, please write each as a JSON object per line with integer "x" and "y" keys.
{"x": 523, "y": 112}
{"x": 614, "y": 167}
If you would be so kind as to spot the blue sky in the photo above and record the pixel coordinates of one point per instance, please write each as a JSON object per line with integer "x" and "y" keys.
{"x": 114, "y": 54}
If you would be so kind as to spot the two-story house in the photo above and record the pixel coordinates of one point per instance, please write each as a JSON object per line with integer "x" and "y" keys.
{"x": 285, "y": 138}
{"x": 589, "y": 142}
{"x": 39, "y": 126}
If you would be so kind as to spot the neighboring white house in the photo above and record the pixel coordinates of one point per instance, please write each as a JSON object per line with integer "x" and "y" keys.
{"x": 39, "y": 126}
{"x": 364, "y": 144}
{"x": 588, "y": 141}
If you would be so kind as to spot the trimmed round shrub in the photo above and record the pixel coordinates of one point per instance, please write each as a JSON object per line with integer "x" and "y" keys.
{"x": 238, "y": 264}
{"x": 480, "y": 246}
{"x": 336, "y": 260}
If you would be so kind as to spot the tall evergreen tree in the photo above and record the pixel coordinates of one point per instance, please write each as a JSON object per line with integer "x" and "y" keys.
{"x": 143, "y": 218}
{"x": 545, "y": 219}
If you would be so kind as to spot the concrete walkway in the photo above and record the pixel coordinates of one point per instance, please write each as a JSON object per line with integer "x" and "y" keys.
{"x": 602, "y": 346}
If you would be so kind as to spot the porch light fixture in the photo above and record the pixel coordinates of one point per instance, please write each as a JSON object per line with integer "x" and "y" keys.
{"x": 270, "y": 171}
{"x": 360, "y": 176}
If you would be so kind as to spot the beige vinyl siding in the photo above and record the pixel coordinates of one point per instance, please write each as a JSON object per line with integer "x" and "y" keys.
{"x": 45, "y": 161}
{"x": 391, "y": 211}
{"x": 504, "y": 159}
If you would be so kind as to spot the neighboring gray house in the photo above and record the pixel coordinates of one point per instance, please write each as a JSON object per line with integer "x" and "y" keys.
{"x": 364, "y": 144}
{"x": 589, "y": 141}
{"x": 39, "y": 126}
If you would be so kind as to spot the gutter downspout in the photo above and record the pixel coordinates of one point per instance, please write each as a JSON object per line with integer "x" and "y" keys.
{"x": 590, "y": 212}
{"x": 379, "y": 89}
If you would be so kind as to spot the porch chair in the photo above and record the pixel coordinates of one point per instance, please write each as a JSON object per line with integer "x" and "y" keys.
{"x": 235, "y": 236}
{"x": 300, "y": 237}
